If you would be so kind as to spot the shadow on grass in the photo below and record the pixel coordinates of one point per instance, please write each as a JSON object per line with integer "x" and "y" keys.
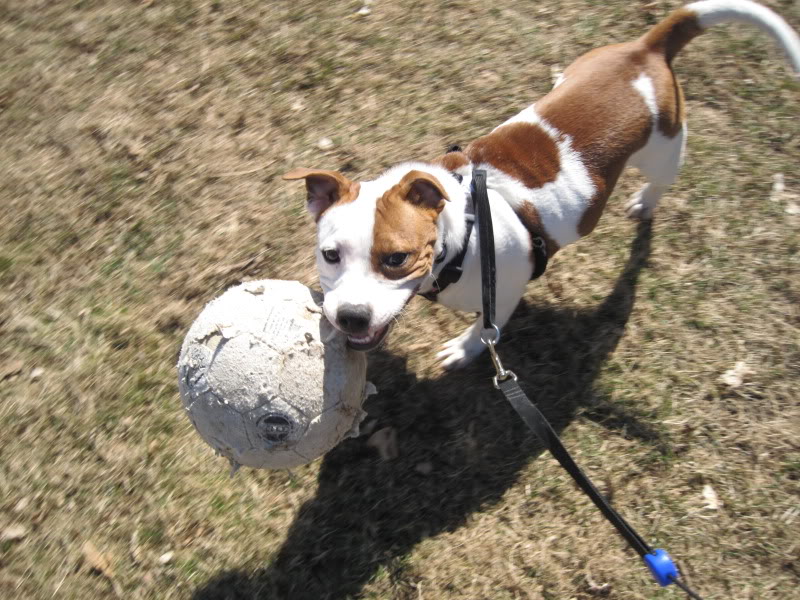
{"x": 368, "y": 514}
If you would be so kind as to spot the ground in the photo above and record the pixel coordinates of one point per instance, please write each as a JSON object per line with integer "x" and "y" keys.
{"x": 143, "y": 143}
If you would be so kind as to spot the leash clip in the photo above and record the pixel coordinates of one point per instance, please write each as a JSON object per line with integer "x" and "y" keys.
{"x": 491, "y": 344}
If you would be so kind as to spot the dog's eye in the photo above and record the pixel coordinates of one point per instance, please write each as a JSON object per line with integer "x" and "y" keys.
{"x": 330, "y": 256}
{"x": 395, "y": 260}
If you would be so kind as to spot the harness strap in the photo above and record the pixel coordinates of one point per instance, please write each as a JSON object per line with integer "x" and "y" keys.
{"x": 453, "y": 270}
{"x": 480, "y": 200}
{"x": 540, "y": 257}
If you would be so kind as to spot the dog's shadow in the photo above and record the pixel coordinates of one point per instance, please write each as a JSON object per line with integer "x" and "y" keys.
{"x": 460, "y": 448}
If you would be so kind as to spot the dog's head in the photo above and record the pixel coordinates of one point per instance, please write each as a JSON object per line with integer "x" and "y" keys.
{"x": 376, "y": 243}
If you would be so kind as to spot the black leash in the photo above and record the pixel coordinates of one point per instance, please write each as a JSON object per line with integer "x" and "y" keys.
{"x": 483, "y": 214}
{"x": 658, "y": 561}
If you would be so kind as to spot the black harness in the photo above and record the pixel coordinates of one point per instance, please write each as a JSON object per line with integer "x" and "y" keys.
{"x": 453, "y": 269}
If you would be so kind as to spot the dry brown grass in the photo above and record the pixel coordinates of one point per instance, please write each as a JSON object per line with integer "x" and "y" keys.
{"x": 142, "y": 144}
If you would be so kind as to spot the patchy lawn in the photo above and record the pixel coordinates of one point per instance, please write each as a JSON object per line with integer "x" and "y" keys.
{"x": 143, "y": 143}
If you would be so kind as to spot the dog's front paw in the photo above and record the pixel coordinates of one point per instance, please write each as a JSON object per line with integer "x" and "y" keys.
{"x": 460, "y": 351}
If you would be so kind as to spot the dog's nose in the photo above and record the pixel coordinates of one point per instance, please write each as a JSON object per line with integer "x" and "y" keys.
{"x": 353, "y": 318}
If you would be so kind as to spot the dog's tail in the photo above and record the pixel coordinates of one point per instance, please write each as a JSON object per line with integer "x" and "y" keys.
{"x": 683, "y": 25}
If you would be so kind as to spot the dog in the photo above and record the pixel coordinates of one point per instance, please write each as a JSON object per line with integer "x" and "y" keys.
{"x": 550, "y": 170}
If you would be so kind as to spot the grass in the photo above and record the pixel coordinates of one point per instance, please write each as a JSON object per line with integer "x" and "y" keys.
{"x": 140, "y": 176}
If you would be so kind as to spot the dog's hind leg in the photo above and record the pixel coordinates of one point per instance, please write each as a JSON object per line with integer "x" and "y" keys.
{"x": 659, "y": 161}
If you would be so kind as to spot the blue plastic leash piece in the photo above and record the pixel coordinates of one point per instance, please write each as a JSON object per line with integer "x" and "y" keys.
{"x": 661, "y": 567}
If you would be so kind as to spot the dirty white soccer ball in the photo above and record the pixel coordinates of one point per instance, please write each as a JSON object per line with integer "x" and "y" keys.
{"x": 266, "y": 380}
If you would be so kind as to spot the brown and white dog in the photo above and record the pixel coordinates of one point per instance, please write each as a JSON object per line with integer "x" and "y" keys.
{"x": 550, "y": 170}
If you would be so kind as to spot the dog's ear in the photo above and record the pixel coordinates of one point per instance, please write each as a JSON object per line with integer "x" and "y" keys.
{"x": 423, "y": 189}
{"x": 324, "y": 188}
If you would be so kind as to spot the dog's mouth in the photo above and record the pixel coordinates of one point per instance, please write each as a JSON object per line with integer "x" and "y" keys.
{"x": 368, "y": 341}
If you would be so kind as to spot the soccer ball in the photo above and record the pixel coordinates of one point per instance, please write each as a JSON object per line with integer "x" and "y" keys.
{"x": 266, "y": 380}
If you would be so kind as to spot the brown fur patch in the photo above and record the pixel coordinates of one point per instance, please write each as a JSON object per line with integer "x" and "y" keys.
{"x": 673, "y": 33}
{"x": 607, "y": 121}
{"x": 536, "y": 156}
{"x": 325, "y": 187}
{"x": 406, "y": 223}
{"x": 452, "y": 161}
{"x": 597, "y": 107}
{"x": 594, "y": 211}
{"x": 669, "y": 97}
{"x": 523, "y": 150}
{"x": 666, "y": 39}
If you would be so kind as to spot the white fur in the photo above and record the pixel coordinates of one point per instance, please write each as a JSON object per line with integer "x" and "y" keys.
{"x": 560, "y": 203}
{"x": 659, "y": 160}
{"x": 348, "y": 228}
{"x": 661, "y": 157}
{"x": 714, "y": 12}
{"x": 512, "y": 252}
{"x": 644, "y": 85}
